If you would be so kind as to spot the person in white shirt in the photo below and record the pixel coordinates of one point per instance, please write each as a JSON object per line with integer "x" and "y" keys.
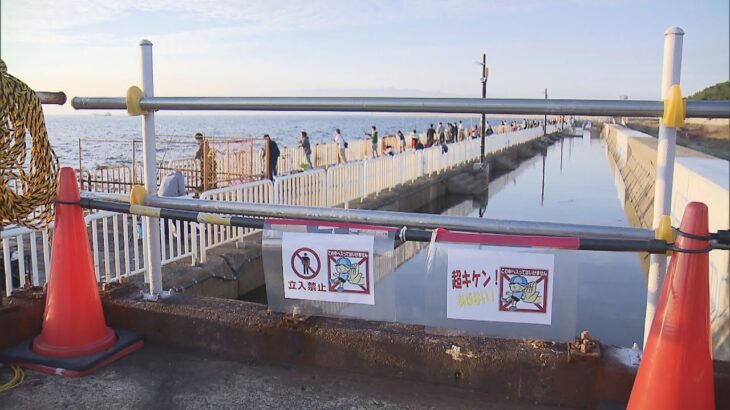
{"x": 440, "y": 131}
{"x": 459, "y": 131}
{"x": 342, "y": 145}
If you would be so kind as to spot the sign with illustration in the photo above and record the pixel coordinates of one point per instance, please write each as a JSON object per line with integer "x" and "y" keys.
{"x": 328, "y": 267}
{"x": 499, "y": 286}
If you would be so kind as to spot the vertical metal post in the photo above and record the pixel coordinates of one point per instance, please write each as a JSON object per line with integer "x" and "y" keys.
{"x": 134, "y": 163}
{"x": 266, "y": 159}
{"x": 250, "y": 157}
{"x": 544, "y": 124}
{"x": 81, "y": 174}
{"x": 671, "y": 70}
{"x": 483, "y": 122}
{"x": 205, "y": 165}
{"x": 79, "y": 155}
{"x": 151, "y": 225}
{"x": 228, "y": 167}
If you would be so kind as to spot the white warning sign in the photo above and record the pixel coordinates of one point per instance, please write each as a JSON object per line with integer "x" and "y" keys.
{"x": 499, "y": 286}
{"x": 328, "y": 267}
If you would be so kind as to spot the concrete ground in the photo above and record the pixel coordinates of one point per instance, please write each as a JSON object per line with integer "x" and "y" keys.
{"x": 159, "y": 378}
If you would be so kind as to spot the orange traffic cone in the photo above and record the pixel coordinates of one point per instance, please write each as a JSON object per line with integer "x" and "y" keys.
{"x": 73, "y": 322}
{"x": 75, "y": 339}
{"x": 676, "y": 370}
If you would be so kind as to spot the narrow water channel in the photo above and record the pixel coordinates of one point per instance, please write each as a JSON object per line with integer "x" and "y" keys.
{"x": 603, "y": 292}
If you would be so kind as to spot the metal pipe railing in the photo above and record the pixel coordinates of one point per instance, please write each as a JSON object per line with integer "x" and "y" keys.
{"x": 49, "y": 97}
{"x": 405, "y": 233}
{"x": 386, "y": 218}
{"x": 615, "y": 108}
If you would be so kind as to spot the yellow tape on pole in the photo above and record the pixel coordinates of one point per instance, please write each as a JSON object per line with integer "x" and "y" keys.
{"x": 674, "y": 108}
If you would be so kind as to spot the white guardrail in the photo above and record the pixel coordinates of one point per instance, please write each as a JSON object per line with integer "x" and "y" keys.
{"x": 118, "y": 246}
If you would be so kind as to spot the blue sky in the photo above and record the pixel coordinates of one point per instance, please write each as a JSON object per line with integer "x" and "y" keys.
{"x": 575, "y": 48}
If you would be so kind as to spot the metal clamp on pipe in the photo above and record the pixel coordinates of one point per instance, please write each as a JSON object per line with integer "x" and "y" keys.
{"x": 137, "y": 195}
{"x": 134, "y": 96}
{"x": 664, "y": 232}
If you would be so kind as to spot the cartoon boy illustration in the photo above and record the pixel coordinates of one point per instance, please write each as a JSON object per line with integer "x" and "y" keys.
{"x": 521, "y": 290}
{"x": 346, "y": 272}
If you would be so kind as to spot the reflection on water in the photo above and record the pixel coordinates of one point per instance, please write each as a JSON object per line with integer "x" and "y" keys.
{"x": 602, "y": 292}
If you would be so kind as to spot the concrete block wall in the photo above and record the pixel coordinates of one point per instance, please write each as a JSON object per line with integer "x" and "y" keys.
{"x": 697, "y": 177}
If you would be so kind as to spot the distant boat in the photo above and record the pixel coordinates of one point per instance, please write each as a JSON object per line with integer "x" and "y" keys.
{"x": 106, "y": 114}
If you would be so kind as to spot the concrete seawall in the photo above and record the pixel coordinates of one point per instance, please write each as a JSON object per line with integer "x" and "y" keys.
{"x": 697, "y": 177}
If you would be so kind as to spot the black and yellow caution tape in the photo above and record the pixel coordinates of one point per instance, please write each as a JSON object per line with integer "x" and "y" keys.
{"x": 27, "y": 188}
{"x": 410, "y": 234}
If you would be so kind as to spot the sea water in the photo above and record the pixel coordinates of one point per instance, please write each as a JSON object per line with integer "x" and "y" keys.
{"x": 118, "y": 131}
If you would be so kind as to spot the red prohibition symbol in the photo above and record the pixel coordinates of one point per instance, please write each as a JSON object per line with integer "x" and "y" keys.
{"x": 305, "y": 263}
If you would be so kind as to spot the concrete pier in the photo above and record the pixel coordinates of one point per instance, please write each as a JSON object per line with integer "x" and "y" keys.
{"x": 521, "y": 372}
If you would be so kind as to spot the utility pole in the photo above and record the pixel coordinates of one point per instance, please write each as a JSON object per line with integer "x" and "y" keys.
{"x": 544, "y": 124}
{"x": 483, "y": 123}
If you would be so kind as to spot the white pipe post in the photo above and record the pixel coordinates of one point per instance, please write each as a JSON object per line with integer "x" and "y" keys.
{"x": 151, "y": 225}
{"x": 671, "y": 70}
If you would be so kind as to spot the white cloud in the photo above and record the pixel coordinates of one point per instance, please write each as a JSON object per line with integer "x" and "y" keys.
{"x": 55, "y": 20}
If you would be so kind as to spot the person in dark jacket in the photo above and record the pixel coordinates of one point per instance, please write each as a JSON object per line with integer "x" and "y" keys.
{"x": 306, "y": 147}
{"x": 430, "y": 136}
{"x": 273, "y": 155}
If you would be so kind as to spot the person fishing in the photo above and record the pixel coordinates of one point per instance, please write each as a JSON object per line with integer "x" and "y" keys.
{"x": 373, "y": 140}
{"x": 306, "y": 147}
{"x": 401, "y": 141}
{"x": 206, "y": 157}
{"x": 172, "y": 185}
{"x": 274, "y": 153}
{"x": 341, "y": 147}
{"x": 430, "y": 135}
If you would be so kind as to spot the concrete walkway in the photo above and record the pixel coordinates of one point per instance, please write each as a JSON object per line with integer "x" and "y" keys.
{"x": 156, "y": 377}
